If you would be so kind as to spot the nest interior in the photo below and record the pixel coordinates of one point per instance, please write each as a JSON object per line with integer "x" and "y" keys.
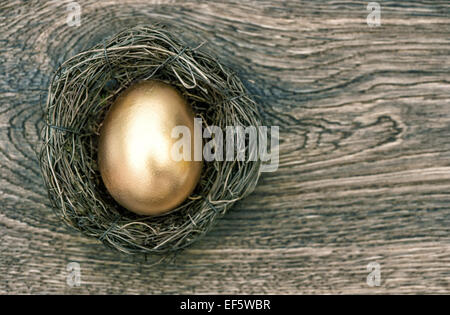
{"x": 79, "y": 95}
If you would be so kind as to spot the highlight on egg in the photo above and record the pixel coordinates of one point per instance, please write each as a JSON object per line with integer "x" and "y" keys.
{"x": 134, "y": 152}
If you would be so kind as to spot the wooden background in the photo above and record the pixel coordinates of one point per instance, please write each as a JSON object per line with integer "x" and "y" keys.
{"x": 364, "y": 170}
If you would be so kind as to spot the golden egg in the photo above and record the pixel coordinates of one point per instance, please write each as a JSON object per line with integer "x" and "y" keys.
{"x": 134, "y": 153}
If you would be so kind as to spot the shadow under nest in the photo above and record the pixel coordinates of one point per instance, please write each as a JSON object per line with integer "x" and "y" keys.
{"x": 80, "y": 94}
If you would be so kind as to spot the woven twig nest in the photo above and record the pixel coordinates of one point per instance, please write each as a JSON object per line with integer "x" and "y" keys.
{"x": 81, "y": 92}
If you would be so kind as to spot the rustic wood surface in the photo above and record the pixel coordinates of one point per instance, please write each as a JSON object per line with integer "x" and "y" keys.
{"x": 364, "y": 170}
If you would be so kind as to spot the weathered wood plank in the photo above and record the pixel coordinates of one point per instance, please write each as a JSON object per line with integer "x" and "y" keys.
{"x": 364, "y": 169}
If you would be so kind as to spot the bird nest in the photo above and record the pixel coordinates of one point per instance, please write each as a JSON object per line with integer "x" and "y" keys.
{"x": 80, "y": 94}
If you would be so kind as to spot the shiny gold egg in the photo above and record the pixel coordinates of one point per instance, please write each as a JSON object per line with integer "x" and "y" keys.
{"x": 134, "y": 153}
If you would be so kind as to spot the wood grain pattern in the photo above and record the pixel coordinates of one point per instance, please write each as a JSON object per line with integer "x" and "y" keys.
{"x": 364, "y": 168}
